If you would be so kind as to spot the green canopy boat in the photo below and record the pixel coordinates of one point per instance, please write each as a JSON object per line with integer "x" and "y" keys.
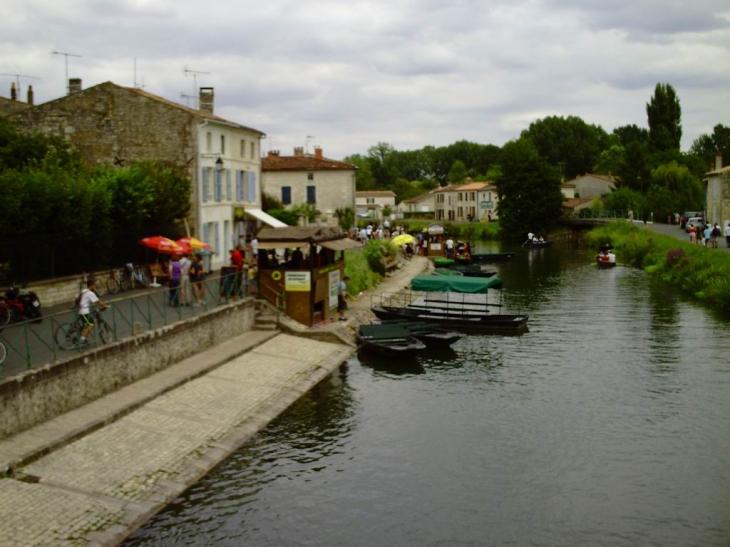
{"x": 454, "y": 302}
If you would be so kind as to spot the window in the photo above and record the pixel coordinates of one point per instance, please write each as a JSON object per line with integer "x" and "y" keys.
{"x": 206, "y": 233}
{"x": 311, "y": 194}
{"x": 369, "y": 200}
{"x": 472, "y": 196}
{"x": 286, "y": 195}
{"x": 251, "y": 188}
{"x": 253, "y": 150}
{"x": 205, "y": 179}
{"x": 229, "y": 195}
{"x": 242, "y": 152}
{"x": 217, "y": 176}
{"x": 208, "y": 141}
{"x": 310, "y": 176}
{"x": 239, "y": 185}
{"x": 223, "y": 144}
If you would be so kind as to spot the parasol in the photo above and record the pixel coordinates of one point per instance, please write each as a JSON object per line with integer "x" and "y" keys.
{"x": 191, "y": 244}
{"x": 403, "y": 239}
{"x": 162, "y": 245}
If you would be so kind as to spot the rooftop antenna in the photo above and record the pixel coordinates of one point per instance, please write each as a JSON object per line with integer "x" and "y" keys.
{"x": 306, "y": 143}
{"x": 194, "y": 74}
{"x": 187, "y": 98}
{"x": 137, "y": 85}
{"x": 67, "y": 55}
{"x": 18, "y": 77}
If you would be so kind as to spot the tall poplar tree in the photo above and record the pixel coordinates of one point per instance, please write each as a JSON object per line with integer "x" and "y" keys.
{"x": 665, "y": 119}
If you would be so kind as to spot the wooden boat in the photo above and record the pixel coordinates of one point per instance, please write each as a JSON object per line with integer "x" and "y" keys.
{"x": 604, "y": 264}
{"x": 486, "y": 257}
{"x": 470, "y": 270}
{"x": 389, "y": 341}
{"x": 443, "y": 307}
{"x": 432, "y": 336}
{"x": 532, "y": 244}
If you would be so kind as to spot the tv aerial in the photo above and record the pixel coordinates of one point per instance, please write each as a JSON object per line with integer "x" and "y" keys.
{"x": 194, "y": 74}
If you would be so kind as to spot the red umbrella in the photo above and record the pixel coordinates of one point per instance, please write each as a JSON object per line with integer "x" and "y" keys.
{"x": 162, "y": 245}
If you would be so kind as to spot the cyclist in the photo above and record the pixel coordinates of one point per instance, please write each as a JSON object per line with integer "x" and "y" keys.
{"x": 87, "y": 298}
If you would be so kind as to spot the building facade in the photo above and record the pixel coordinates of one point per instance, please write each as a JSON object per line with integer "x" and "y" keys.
{"x": 114, "y": 125}
{"x": 468, "y": 202}
{"x": 310, "y": 179}
{"x": 588, "y": 186}
{"x": 420, "y": 206}
{"x": 717, "y": 191}
{"x": 370, "y": 203}
{"x": 13, "y": 105}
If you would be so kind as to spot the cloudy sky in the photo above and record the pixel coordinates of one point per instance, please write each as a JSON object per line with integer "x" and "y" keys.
{"x": 408, "y": 72}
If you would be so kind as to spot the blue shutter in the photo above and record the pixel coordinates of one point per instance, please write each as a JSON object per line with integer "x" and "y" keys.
{"x": 286, "y": 195}
{"x": 251, "y": 187}
{"x": 311, "y": 194}
{"x": 239, "y": 185}
{"x": 217, "y": 175}
{"x": 229, "y": 196}
{"x": 217, "y": 246}
{"x": 204, "y": 190}
{"x": 206, "y": 237}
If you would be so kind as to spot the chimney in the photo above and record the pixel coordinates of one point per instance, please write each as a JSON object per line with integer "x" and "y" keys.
{"x": 13, "y": 92}
{"x": 718, "y": 161}
{"x": 30, "y": 95}
{"x": 298, "y": 151}
{"x": 318, "y": 152}
{"x": 273, "y": 153}
{"x": 206, "y": 99}
{"x": 74, "y": 85}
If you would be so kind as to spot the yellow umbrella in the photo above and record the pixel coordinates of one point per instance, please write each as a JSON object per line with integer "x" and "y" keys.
{"x": 402, "y": 239}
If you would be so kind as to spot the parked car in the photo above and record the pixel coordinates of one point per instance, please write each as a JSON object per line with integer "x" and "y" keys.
{"x": 694, "y": 222}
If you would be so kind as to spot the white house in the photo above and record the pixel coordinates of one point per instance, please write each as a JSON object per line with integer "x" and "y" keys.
{"x": 588, "y": 186}
{"x": 370, "y": 203}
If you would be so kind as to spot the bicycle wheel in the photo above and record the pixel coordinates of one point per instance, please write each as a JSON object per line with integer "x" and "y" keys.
{"x": 67, "y": 335}
{"x": 5, "y": 315}
{"x": 112, "y": 286}
{"x": 3, "y": 353}
{"x": 125, "y": 284}
{"x": 105, "y": 333}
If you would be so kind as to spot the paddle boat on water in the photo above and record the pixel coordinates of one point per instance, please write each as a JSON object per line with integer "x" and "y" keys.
{"x": 606, "y": 257}
{"x": 388, "y": 341}
{"x": 451, "y": 302}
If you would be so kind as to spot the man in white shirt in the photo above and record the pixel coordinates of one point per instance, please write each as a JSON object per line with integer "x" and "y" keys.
{"x": 611, "y": 257}
{"x": 86, "y": 299}
{"x": 450, "y": 248}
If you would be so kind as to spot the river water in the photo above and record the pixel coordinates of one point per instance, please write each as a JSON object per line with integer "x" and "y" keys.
{"x": 608, "y": 423}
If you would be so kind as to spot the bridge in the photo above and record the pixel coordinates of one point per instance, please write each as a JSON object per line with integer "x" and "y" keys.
{"x": 587, "y": 218}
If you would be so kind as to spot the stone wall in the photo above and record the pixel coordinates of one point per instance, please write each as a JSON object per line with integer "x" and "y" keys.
{"x": 42, "y": 394}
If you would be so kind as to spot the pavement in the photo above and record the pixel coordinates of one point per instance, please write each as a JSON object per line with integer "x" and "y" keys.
{"x": 97, "y": 473}
{"x": 674, "y": 230}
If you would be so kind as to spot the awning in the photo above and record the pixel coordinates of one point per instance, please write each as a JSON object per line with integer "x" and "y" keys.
{"x": 282, "y": 244}
{"x": 265, "y": 218}
{"x": 340, "y": 244}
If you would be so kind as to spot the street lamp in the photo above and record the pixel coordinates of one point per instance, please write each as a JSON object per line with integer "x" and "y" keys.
{"x": 219, "y": 165}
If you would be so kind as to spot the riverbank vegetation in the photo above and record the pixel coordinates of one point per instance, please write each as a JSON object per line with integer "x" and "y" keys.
{"x": 696, "y": 270}
{"x": 365, "y": 266}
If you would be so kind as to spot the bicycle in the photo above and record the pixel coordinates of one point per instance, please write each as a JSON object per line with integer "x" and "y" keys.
{"x": 137, "y": 275}
{"x": 68, "y": 335}
{"x": 117, "y": 282}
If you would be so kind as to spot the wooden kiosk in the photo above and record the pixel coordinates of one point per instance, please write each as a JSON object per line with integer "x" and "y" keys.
{"x": 300, "y": 268}
{"x": 434, "y": 239}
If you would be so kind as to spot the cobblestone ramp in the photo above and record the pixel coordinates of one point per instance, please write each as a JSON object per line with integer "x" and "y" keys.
{"x": 100, "y": 488}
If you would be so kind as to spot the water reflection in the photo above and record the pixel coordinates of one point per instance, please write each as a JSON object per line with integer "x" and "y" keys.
{"x": 607, "y": 424}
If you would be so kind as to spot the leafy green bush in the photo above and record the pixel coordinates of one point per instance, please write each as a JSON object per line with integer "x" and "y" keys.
{"x": 357, "y": 268}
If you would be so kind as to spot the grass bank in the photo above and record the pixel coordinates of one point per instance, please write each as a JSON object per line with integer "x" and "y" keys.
{"x": 364, "y": 266}
{"x": 696, "y": 270}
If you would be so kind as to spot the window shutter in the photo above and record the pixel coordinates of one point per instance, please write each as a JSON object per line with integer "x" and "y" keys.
{"x": 286, "y": 195}
{"x": 229, "y": 196}
{"x": 311, "y": 194}
{"x": 217, "y": 246}
{"x": 205, "y": 179}
{"x": 251, "y": 187}
{"x": 217, "y": 186}
{"x": 239, "y": 185}
{"x": 206, "y": 235}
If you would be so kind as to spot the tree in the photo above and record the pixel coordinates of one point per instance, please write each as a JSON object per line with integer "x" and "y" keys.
{"x": 665, "y": 119}
{"x": 707, "y": 146}
{"x": 568, "y": 143}
{"x": 625, "y": 199}
{"x": 611, "y": 161}
{"x": 634, "y": 172}
{"x": 684, "y": 189}
{"x": 345, "y": 216}
{"x": 457, "y": 173}
{"x": 529, "y": 191}
{"x": 631, "y": 133}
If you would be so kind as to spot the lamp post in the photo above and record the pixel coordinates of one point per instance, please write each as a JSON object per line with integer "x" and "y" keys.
{"x": 219, "y": 165}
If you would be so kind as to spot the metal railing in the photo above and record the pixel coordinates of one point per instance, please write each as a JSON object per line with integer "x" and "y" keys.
{"x": 593, "y": 214}
{"x": 31, "y": 344}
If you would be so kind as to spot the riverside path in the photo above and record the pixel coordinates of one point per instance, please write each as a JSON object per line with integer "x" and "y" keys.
{"x": 97, "y": 473}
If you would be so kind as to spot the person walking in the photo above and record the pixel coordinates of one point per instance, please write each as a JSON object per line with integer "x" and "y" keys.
{"x": 342, "y": 298}
{"x": 185, "y": 295}
{"x": 727, "y": 235}
{"x": 197, "y": 273}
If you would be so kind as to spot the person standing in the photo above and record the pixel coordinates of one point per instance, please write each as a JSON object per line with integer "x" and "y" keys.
{"x": 174, "y": 283}
{"x": 197, "y": 272}
{"x": 727, "y": 235}
{"x": 87, "y": 298}
{"x": 185, "y": 263}
{"x": 449, "y": 248}
{"x": 706, "y": 235}
{"x": 342, "y": 298}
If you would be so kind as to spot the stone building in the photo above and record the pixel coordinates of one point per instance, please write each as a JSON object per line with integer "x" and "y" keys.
{"x": 114, "y": 125}
{"x": 14, "y": 105}
{"x": 718, "y": 193}
{"x": 310, "y": 178}
{"x": 422, "y": 206}
{"x": 471, "y": 201}
{"x": 588, "y": 186}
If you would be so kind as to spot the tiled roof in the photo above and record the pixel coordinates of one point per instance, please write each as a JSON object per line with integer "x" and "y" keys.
{"x": 303, "y": 163}
{"x": 719, "y": 171}
{"x": 607, "y": 178}
{"x": 375, "y": 194}
{"x": 574, "y": 203}
{"x": 420, "y": 198}
{"x": 464, "y": 187}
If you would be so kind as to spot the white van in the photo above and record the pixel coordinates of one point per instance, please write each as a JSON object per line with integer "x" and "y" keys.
{"x": 694, "y": 222}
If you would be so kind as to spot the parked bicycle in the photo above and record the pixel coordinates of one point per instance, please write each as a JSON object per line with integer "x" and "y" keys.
{"x": 117, "y": 282}
{"x": 137, "y": 276}
{"x": 69, "y": 335}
